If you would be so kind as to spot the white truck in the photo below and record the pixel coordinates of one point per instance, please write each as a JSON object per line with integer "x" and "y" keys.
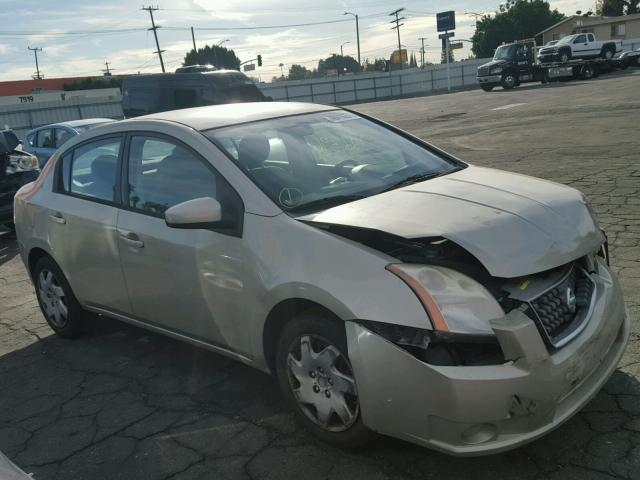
{"x": 579, "y": 46}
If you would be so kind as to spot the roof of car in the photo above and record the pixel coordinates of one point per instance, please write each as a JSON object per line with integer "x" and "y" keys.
{"x": 216, "y": 116}
{"x": 76, "y": 123}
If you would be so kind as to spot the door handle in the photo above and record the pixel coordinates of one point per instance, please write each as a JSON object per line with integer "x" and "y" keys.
{"x": 132, "y": 240}
{"x": 58, "y": 218}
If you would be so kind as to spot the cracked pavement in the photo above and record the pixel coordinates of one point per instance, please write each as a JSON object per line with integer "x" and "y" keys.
{"x": 123, "y": 403}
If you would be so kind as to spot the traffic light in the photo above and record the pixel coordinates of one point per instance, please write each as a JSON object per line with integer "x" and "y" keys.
{"x": 259, "y": 60}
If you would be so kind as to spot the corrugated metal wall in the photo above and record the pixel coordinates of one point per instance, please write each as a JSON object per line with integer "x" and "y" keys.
{"x": 22, "y": 118}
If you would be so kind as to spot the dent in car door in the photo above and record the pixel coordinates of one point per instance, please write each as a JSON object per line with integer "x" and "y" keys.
{"x": 81, "y": 222}
{"x": 189, "y": 281}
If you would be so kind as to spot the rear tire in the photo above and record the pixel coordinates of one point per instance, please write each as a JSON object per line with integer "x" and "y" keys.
{"x": 588, "y": 72}
{"x": 607, "y": 53}
{"x": 487, "y": 88}
{"x": 57, "y": 302}
{"x": 316, "y": 379}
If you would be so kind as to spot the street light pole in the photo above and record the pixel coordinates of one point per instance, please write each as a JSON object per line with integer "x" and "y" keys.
{"x": 357, "y": 37}
{"x": 215, "y": 51}
{"x": 342, "y": 58}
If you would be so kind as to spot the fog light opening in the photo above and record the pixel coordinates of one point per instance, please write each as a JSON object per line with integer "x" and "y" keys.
{"x": 480, "y": 433}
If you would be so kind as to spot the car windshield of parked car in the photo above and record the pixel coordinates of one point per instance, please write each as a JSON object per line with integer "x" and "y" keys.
{"x": 315, "y": 161}
{"x": 565, "y": 40}
{"x": 504, "y": 53}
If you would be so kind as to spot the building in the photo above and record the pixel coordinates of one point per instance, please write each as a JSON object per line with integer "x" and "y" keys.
{"x": 604, "y": 28}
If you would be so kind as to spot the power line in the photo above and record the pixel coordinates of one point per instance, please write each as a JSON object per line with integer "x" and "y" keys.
{"x": 155, "y": 33}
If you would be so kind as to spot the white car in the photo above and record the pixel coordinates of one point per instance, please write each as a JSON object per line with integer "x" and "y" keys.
{"x": 581, "y": 45}
{"x": 389, "y": 286}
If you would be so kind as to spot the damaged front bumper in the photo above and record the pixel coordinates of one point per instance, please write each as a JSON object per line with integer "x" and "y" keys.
{"x": 474, "y": 410}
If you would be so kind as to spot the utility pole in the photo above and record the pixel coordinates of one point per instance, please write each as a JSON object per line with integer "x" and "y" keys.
{"x": 107, "y": 71}
{"x": 422, "y": 51}
{"x": 397, "y": 29}
{"x": 155, "y": 33}
{"x": 193, "y": 38}
{"x": 357, "y": 36}
{"x": 35, "y": 50}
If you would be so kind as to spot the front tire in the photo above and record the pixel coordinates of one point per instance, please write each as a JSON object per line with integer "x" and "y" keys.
{"x": 486, "y": 88}
{"x": 57, "y": 302}
{"x": 564, "y": 56}
{"x": 509, "y": 80}
{"x": 316, "y": 379}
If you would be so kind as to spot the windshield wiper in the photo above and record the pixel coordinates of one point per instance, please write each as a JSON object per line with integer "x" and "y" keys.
{"x": 411, "y": 180}
{"x": 325, "y": 202}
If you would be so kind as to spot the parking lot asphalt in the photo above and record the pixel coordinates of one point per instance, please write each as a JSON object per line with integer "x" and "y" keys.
{"x": 123, "y": 403}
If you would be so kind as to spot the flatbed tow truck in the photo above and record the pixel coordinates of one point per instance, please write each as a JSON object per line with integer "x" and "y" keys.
{"x": 516, "y": 63}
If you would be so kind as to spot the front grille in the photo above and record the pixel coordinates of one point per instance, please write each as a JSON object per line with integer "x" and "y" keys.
{"x": 562, "y": 310}
{"x": 483, "y": 71}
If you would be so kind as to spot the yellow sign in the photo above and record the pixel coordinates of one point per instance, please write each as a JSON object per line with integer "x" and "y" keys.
{"x": 455, "y": 45}
{"x": 399, "y": 56}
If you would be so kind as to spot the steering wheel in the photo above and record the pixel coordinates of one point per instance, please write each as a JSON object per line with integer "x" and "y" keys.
{"x": 344, "y": 169}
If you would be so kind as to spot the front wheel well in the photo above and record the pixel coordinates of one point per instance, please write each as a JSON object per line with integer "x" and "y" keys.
{"x": 34, "y": 255}
{"x": 278, "y": 317}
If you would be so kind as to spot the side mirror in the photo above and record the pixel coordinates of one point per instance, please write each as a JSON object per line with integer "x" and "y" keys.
{"x": 204, "y": 212}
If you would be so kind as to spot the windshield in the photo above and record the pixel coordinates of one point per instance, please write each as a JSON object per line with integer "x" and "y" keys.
{"x": 565, "y": 40}
{"x": 310, "y": 162}
{"x": 504, "y": 53}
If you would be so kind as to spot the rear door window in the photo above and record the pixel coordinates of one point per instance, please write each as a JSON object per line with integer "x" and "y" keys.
{"x": 45, "y": 138}
{"x": 94, "y": 168}
{"x": 62, "y": 135}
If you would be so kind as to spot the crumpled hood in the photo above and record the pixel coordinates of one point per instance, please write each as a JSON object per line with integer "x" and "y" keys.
{"x": 513, "y": 224}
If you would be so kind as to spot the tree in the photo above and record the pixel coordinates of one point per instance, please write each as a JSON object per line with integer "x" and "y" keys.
{"x": 219, "y": 57}
{"x": 523, "y": 19}
{"x": 342, "y": 64}
{"x": 298, "y": 72}
{"x": 378, "y": 65}
{"x": 617, "y": 8}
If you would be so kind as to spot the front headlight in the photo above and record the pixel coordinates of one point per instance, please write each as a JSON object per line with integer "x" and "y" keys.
{"x": 454, "y": 302}
{"x": 496, "y": 70}
{"x": 21, "y": 163}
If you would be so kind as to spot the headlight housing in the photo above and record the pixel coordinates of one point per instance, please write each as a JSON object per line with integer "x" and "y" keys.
{"x": 454, "y": 302}
{"x": 21, "y": 163}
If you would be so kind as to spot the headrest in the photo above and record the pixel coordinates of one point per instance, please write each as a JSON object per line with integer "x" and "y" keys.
{"x": 253, "y": 151}
{"x": 104, "y": 167}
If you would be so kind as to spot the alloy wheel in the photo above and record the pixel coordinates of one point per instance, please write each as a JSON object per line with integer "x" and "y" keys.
{"x": 53, "y": 299}
{"x": 322, "y": 381}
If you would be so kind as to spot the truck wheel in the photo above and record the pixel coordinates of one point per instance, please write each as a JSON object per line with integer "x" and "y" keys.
{"x": 607, "y": 53}
{"x": 487, "y": 88}
{"x": 565, "y": 56}
{"x": 588, "y": 72}
{"x": 509, "y": 80}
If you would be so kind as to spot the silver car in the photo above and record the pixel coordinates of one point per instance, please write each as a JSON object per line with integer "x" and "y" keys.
{"x": 390, "y": 287}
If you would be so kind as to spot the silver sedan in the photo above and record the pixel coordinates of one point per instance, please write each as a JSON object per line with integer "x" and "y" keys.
{"x": 390, "y": 287}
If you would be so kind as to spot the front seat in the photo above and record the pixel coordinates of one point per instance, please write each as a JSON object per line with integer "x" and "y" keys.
{"x": 103, "y": 173}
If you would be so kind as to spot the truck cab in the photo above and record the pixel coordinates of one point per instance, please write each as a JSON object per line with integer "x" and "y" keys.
{"x": 512, "y": 64}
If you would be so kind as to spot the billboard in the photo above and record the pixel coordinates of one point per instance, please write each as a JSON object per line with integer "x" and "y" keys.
{"x": 446, "y": 21}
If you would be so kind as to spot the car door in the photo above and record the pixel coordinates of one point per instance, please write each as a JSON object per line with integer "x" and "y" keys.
{"x": 81, "y": 222}
{"x": 187, "y": 281}
{"x": 580, "y": 47}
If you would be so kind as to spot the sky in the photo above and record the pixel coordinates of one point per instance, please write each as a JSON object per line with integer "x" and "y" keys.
{"x": 77, "y": 36}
